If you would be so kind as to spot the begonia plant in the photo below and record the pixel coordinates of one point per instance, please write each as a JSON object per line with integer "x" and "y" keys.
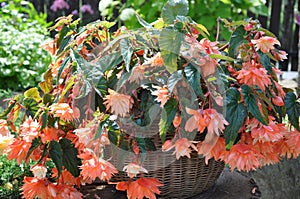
{"x": 167, "y": 79}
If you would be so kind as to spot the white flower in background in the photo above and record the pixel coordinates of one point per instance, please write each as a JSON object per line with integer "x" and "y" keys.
{"x": 103, "y": 4}
{"x": 127, "y": 14}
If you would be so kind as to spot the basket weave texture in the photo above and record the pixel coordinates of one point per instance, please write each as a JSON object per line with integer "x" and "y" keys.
{"x": 182, "y": 178}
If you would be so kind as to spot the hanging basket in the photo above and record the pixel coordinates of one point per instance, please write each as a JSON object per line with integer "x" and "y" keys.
{"x": 182, "y": 178}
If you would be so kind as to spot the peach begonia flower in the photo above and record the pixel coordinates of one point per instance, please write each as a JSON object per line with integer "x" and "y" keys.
{"x": 120, "y": 104}
{"x": 278, "y": 101}
{"x": 137, "y": 74}
{"x": 280, "y": 55}
{"x": 253, "y": 74}
{"x": 143, "y": 187}
{"x": 18, "y": 150}
{"x": 64, "y": 111}
{"x": 268, "y": 133}
{"x": 66, "y": 177}
{"x": 41, "y": 188}
{"x": 97, "y": 167}
{"x": 208, "y": 66}
{"x": 39, "y": 171}
{"x": 196, "y": 121}
{"x": 155, "y": 61}
{"x": 65, "y": 191}
{"x": 265, "y": 43}
{"x": 49, "y": 134}
{"x": 215, "y": 121}
{"x": 209, "y": 47}
{"x": 85, "y": 135}
{"x": 243, "y": 157}
{"x": 162, "y": 94}
{"x": 176, "y": 121}
{"x": 49, "y": 46}
{"x": 285, "y": 149}
{"x": 217, "y": 152}
{"x": 29, "y": 129}
{"x": 133, "y": 169}
{"x": 293, "y": 141}
{"x": 267, "y": 149}
{"x": 182, "y": 147}
{"x": 4, "y": 128}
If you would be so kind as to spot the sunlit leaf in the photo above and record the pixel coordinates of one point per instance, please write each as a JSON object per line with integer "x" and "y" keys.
{"x": 33, "y": 93}
{"x": 222, "y": 57}
{"x": 126, "y": 52}
{"x": 173, "y": 79}
{"x": 173, "y": 8}
{"x": 169, "y": 43}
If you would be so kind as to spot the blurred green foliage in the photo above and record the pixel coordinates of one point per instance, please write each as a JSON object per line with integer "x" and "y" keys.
{"x": 205, "y": 12}
{"x": 22, "y": 31}
{"x": 11, "y": 177}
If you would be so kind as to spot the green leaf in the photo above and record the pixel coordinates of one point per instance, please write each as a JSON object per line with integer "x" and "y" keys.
{"x": 193, "y": 76}
{"x": 223, "y": 57}
{"x": 47, "y": 84}
{"x": 268, "y": 33}
{"x": 69, "y": 157}
{"x": 126, "y": 52}
{"x": 109, "y": 61}
{"x": 44, "y": 119}
{"x": 252, "y": 104}
{"x": 169, "y": 43}
{"x": 48, "y": 99}
{"x": 265, "y": 61}
{"x": 173, "y": 80}
{"x": 293, "y": 109}
{"x": 33, "y": 93}
{"x": 143, "y": 22}
{"x": 64, "y": 44}
{"x": 237, "y": 38}
{"x": 62, "y": 67}
{"x": 31, "y": 106}
{"x": 236, "y": 113}
{"x": 167, "y": 116}
{"x": 174, "y": 8}
{"x": 56, "y": 154}
{"x": 101, "y": 87}
{"x": 34, "y": 144}
{"x": 69, "y": 85}
{"x": 7, "y": 111}
{"x": 61, "y": 35}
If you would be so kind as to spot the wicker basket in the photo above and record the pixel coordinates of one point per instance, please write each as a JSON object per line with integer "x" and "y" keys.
{"x": 182, "y": 178}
